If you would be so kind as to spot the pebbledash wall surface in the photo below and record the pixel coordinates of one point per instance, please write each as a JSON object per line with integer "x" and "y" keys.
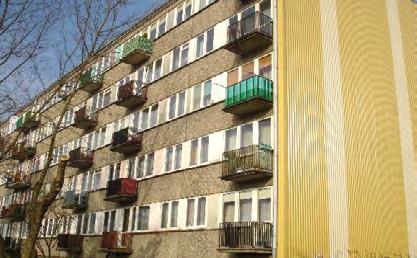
{"x": 187, "y": 170}
{"x": 347, "y": 119}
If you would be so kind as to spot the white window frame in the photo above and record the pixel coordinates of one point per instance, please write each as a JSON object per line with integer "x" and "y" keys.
{"x": 195, "y": 214}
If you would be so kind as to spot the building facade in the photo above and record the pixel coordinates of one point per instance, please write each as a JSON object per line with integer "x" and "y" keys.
{"x": 170, "y": 141}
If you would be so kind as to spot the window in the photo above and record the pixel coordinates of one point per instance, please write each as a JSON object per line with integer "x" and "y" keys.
{"x": 181, "y": 103}
{"x": 140, "y": 167}
{"x": 179, "y": 14}
{"x": 158, "y": 69}
{"x": 131, "y": 171}
{"x": 207, "y": 94}
{"x": 85, "y": 223}
{"x": 193, "y": 153}
{"x": 168, "y": 159}
{"x": 152, "y": 33}
{"x": 229, "y": 211}
{"x": 245, "y": 209}
{"x": 201, "y": 211}
{"x": 200, "y": 46}
{"x": 164, "y": 219}
{"x": 204, "y": 149}
{"x": 247, "y": 70}
{"x": 196, "y": 214}
{"x": 172, "y": 106}
{"x": 265, "y": 67}
{"x": 184, "y": 55}
{"x": 96, "y": 179}
{"x": 149, "y": 164}
{"x": 174, "y": 214}
{"x": 178, "y": 156}
{"x": 210, "y": 41}
{"x": 161, "y": 27}
{"x": 114, "y": 171}
{"x": 133, "y": 225}
{"x": 190, "y": 212}
{"x": 79, "y": 224}
{"x": 232, "y": 77}
{"x": 143, "y": 218}
{"x": 264, "y": 213}
{"x": 149, "y": 71}
{"x": 144, "y": 123}
{"x": 188, "y": 9}
{"x": 196, "y": 97}
{"x": 265, "y": 132}
{"x": 109, "y": 221}
{"x": 231, "y": 137}
{"x": 247, "y": 135}
{"x": 170, "y": 19}
{"x": 176, "y": 59}
{"x": 202, "y": 4}
{"x": 154, "y": 116}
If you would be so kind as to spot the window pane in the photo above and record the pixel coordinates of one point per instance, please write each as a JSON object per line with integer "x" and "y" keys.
{"x": 158, "y": 69}
{"x": 190, "y": 212}
{"x": 176, "y": 59}
{"x": 181, "y": 103}
{"x": 149, "y": 164}
{"x": 264, "y": 210}
{"x": 154, "y": 115}
{"x": 161, "y": 29}
{"x": 200, "y": 46}
{"x": 245, "y": 210}
{"x": 188, "y": 9}
{"x": 184, "y": 55}
{"x": 168, "y": 159}
{"x": 247, "y": 135}
{"x": 152, "y": 34}
{"x": 197, "y": 97}
{"x": 231, "y": 136}
{"x": 201, "y": 212}
{"x": 265, "y": 67}
{"x": 131, "y": 172}
{"x": 164, "y": 218}
{"x": 207, "y": 93}
{"x": 265, "y": 7}
{"x": 193, "y": 153}
{"x": 149, "y": 71}
{"x": 265, "y": 132}
{"x": 178, "y": 156}
{"x": 210, "y": 40}
{"x": 204, "y": 149}
{"x": 92, "y": 223}
{"x": 144, "y": 123}
{"x": 132, "y": 226}
{"x": 143, "y": 218}
{"x": 232, "y": 77}
{"x": 229, "y": 211}
{"x": 179, "y": 15}
{"x": 140, "y": 167}
{"x": 202, "y": 4}
{"x": 172, "y": 106}
{"x": 174, "y": 214}
{"x": 247, "y": 70}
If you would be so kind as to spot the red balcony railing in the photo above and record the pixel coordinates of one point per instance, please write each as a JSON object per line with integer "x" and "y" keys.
{"x": 131, "y": 94}
{"x": 81, "y": 158}
{"x": 126, "y": 141}
{"x": 85, "y": 121}
{"x": 122, "y": 190}
{"x": 70, "y": 243}
{"x": 116, "y": 242}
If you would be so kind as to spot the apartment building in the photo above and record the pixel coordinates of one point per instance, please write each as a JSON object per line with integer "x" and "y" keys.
{"x": 169, "y": 138}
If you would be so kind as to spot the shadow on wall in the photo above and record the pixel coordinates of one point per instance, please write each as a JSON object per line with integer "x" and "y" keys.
{"x": 150, "y": 250}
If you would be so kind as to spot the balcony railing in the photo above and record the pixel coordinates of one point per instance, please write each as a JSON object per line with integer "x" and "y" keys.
{"x": 116, "y": 242}
{"x": 245, "y": 237}
{"x": 4, "y": 212}
{"x": 252, "y": 33}
{"x": 89, "y": 82}
{"x": 85, "y": 121}
{"x": 122, "y": 190}
{"x": 247, "y": 163}
{"x": 17, "y": 212}
{"x": 131, "y": 94}
{"x": 18, "y": 181}
{"x": 81, "y": 158}
{"x": 137, "y": 50}
{"x": 12, "y": 245}
{"x": 28, "y": 121}
{"x": 22, "y": 151}
{"x": 126, "y": 141}
{"x": 75, "y": 201}
{"x": 70, "y": 243}
{"x": 248, "y": 96}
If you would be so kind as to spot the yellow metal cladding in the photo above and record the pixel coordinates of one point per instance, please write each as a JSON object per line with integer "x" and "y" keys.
{"x": 347, "y": 136}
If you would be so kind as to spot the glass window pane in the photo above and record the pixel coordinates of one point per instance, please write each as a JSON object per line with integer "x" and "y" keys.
{"x": 149, "y": 164}
{"x": 245, "y": 210}
{"x": 161, "y": 29}
{"x": 144, "y": 123}
{"x": 152, "y": 34}
{"x": 231, "y": 137}
{"x": 190, "y": 212}
{"x": 92, "y": 223}
{"x": 154, "y": 115}
{"x": 172, "y": 106}
{"x": 197, "y": 97}
{"x": 176, "y": 59}
{"x": 178, "y": 156}
{"x": 247, "y": 70}
{"x": 168, "y": 159}
{"x": 174, "y": 214}
{"x": 229, "y": 211}
{"x": 210, "y": 41}
{"x": 143, "y": 218}
{"x": 201, "y": 212}
{"x": 181, "y": 104}
{"x": 133, "y": 224}
{"x": 188, "y": 9}
{"x": 264, "y": 209}
{"x": 232, "y": 77}
{"x": 265, "y": 132}
{"x": 164, "y": 218}
{"x": 207, "y": 93}
{"x": 158, "y": 69}
{"x": 184, "y": 55}
{"x": 193, "y": 152}
{"x": 140, "y": 167}
{"x": 202, "y": 4}
{"x": 179, "y": 14}
{"x": 200, "y": 46}
{"x": 246, "y": 135}
{"x": 204, "y": 149}
{"x": 265, "y": 67}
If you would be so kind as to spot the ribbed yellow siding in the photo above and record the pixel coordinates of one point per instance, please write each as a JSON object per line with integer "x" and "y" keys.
{"x": 347, "y": 136}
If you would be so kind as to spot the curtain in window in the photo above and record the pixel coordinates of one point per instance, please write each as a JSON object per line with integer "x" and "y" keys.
{"x": 229, "y": 211}
{"x": 245, "y": 210}
{"x": 190, "y": 212}
{"x": 201, "y": 212}
{"x": 174, "y": 214}
{"x": 143, "y": 218}
{"x": 265, "y": 132}
{"x": 264, "y": 209}
{"x": 247, "y": 135}
{"x": 231, "y": 137}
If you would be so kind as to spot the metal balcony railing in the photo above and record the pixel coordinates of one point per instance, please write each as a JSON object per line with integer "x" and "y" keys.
{"x": 137, "y": 50}
{"x": 122, "y": 190}
{"x": 126, "y": 141}
{"x": 70, "y": 243}
{"x": 84, "y": 120}
{"x": 81, "y": 158}
{"x": 249, "y": 95}
{"x": 247, "y": 163}
{"x": 116, "y": 242}
{"x": 75, "y": 201}
{"x": 22, "y": 151}
{"x": 245, "y": 237}
{"x": 89, "y": 82}
{"x": 131, "y": 94}
{"x": 28, "y": 121}
{"x": 19, "y": 180}
{"x": 249, "y": 34}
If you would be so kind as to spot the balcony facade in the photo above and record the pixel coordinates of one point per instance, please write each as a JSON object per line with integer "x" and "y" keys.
{"x": 247, "y": 164}
{"x": 249, "y": 96}
{"x": 27, "y": 122}
{"x": 12, "y": 246}
{"x": 85, "y": 121}
{"x": 20, "y": 180}
{"x": 122, "y": 190}
{"x": 126, "y": 141}
{"x": 81, "y": 158}
{"x": 250, "y": 34}
{"x": 131, "y": 94}
{"x": 90, "y": 82}
{"x": 245, "y": 237}
{"x": 17, "y": 212}
{"x": 115, "y": 242}
{"x": 22, "y": 151}
{"x": 137, "y": 50}
{"x": 70, "y": 243}
{"x": 75, "y": 201}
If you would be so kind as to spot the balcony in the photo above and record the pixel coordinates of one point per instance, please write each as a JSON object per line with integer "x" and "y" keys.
{"x": 12, "y": 246}
{"x": 70, "y": 243}
{"x": 252, "y": 33}
{"x": 17, "y": 212}
{"x": 122, "y": 190}
{"x": 75, "y": 201}
{"x": 22, "y": 151}
{"x": 89, "y": 82}
{"x": 247, "y": 163}
{"x": 85, "y": 121}
{"x": 115, "y": 242}
{"x": 4, "y": 212}
{"x": 131, "y": 95}
{"x": 126, "y": 141}
{"x": 137, "y": 50}
{"x": 81, "y": 158}
{"x": 19, "y": 181}
{"x": 28, "y": 121}
{"x": 245, "y": 237}
{"x": 249, "y": 96}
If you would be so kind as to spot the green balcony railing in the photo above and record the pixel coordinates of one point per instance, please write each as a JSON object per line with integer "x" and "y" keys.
{"x": 28, "y": 119}
{"x": 88, "y": 78}
{"x": 139, "y": 43}
{"x": 253, "y": 87}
